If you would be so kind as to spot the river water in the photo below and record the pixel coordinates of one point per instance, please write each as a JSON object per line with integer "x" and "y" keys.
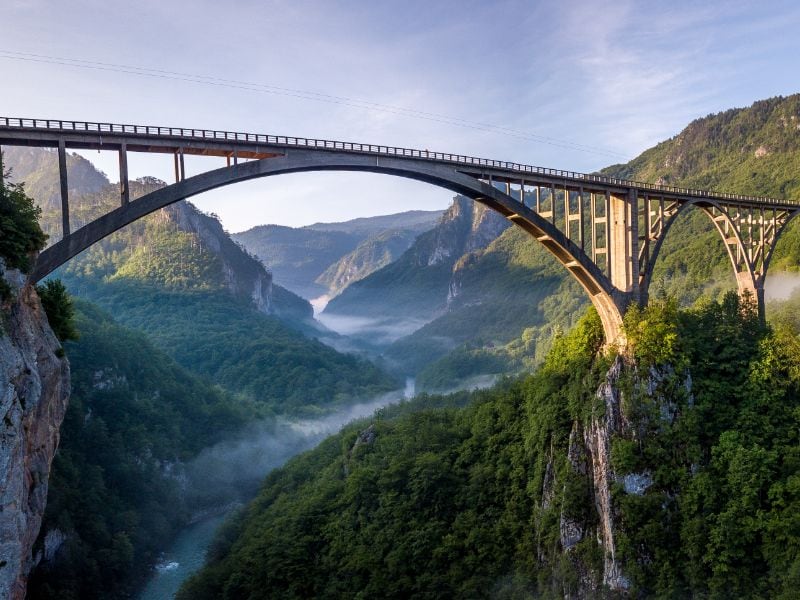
{"x": 263, "y": 449}
{"x": 184, "y": 558}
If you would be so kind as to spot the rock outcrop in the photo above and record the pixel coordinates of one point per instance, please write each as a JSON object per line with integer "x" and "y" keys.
{"x": 597, "y": 440}
{"x": 243, "y": 275}
{"x": 466, "y": 226}
{"x": 34, "y": 390}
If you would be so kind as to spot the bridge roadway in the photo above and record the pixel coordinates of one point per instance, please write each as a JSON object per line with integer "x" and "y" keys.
{"x": 607, "y": 232}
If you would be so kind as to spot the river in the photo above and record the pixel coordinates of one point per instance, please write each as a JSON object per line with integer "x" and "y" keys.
{"x": 264, "y": 449}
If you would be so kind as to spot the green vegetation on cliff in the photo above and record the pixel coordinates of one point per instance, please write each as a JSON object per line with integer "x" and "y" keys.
{"x": 20, "y": 233}
{"x": 497, "y": 499}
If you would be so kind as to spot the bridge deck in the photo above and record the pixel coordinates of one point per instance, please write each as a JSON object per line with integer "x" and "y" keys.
{"x": 174, "y": 140}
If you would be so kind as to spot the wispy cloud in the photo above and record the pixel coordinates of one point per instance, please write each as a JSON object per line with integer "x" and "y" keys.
{"x": 611, "y": 75}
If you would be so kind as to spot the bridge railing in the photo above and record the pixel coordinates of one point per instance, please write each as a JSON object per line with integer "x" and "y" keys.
{"x": 180, "y": 133}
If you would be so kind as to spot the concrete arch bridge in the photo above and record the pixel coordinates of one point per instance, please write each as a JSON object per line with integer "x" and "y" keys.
{"x": 606, "y": 232}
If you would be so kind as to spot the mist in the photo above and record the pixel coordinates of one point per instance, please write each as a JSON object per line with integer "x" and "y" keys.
{"x": 779, "y": 286}
{"x": 379, "y": 331}
{"x": 231, "y": 471}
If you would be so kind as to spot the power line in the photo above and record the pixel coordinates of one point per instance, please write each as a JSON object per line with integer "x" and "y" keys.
{"x": 305, "y": 95}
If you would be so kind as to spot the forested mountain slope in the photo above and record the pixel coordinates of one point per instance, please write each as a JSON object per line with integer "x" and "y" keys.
{"x": 117, "y": 490}
{"x": 416, "y": 284}
{"x": 590, "y": 478}
{"x": 753, "y": 150}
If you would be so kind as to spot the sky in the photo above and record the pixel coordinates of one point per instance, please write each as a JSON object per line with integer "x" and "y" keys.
{"x": 568, "y": 84}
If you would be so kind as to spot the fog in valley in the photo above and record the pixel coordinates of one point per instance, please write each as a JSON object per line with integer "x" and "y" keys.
{"x": 231, "y": 471}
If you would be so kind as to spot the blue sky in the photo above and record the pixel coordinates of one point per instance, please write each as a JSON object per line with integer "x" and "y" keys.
{"x": 571, "y": 84}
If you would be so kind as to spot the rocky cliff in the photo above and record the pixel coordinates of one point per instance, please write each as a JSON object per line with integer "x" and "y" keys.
{"x": 589, "y": 456}
{"x": 34, "y": 389}
{"x": 243, "y": 275}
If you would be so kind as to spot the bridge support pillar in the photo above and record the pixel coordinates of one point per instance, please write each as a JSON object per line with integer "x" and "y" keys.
{"x": 623, "y": 262}
{"x": 62, "y": 175}
{"x": 752, "y": 288}
{"x": 624, "y": 243}
{"x": 123, "y": 175}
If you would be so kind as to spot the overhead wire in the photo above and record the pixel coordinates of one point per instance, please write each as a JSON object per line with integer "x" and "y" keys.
{"x": 305, "y": 95}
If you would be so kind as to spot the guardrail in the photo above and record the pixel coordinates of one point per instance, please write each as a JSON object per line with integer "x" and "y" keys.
{"x": 280, "y": 140}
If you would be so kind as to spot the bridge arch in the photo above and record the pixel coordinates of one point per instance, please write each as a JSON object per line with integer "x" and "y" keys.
{"x": 780, "y": 229}
{"x": 608, "y": 302}
{"x": 747, "y": 280}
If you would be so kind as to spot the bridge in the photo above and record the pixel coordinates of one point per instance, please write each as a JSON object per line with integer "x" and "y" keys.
{"x": 606, "y": 232}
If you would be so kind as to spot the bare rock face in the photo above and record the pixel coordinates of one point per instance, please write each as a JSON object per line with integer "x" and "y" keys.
{"x": 464, "y": 227}
{"x": 597, "y": 438}
{"x": 34, "y": 390}
{"x": 589, "y": 456}
{"x": 242, "y": 275}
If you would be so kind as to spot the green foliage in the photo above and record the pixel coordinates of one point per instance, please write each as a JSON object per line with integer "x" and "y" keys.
{"x": 467, "y": 503}
{"x": 58, "y": 306}
{"x": 238, "y": 347}
{"x": 652, "y": 332}
{"x": 173, "y": 259}
{"x": 425, "y": 499}
{"x": 115, "y": 489}
{"x": 20, "y": 234}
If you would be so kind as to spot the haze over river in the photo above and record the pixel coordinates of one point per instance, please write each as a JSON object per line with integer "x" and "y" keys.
{"x": 264, "y": 449}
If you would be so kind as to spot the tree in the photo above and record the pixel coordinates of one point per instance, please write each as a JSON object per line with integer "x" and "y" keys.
{"x": 58, "y": 306}
{"x": 20, "y": 234}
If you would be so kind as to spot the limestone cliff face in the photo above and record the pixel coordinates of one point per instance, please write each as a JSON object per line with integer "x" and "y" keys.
{"x": 34, "y": 389}
{"x": 589, "y": 458}
{"x": 243, "y": 275}
{"x": 466, "y": 226}
{"x": 597, "y": 442}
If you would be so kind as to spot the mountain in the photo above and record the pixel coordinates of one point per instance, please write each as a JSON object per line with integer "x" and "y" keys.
{"x": 375, "y": 252}
{"x": 319, "y": 259}
{"x": 412, "y": 220}
{"x": 666, "y": 474}
{"x": 415, "y": 286}
{"x": 297, "y": 257}
{"x": 501, "y": 305}
{"x": 174, "y": 230}
{"x": 754, "y": 150}
{"x": 505, "y": 302}
{"x": 216, "y": 347}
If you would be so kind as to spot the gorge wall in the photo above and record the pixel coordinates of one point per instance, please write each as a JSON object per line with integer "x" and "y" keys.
{"x": 34, "y": 390}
